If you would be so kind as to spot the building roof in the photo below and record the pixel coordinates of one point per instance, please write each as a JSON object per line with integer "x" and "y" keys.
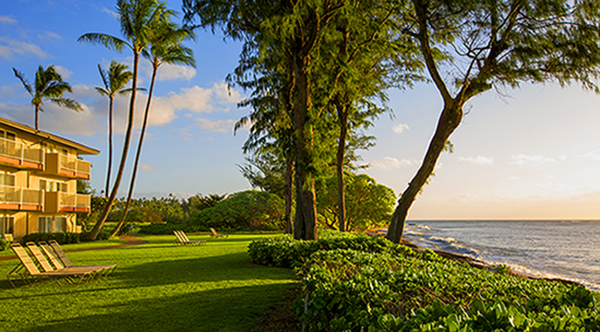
{"x": 81, "y": 149}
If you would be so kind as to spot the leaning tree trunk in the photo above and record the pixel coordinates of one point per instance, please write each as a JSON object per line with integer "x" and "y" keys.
{"x": 137, "y": 156}
{"x": 110, "y": 144}
{"x": 130, "y": 121}
{"x": 343, "y": 118}
{"x": 449, "y": 121}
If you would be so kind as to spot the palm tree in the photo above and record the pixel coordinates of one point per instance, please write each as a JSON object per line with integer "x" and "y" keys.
{"x": 137, "y": 17}
{"x": 48, "y": 86}
{"x": 114, "y": 79}
{"x": 165, "y": 47}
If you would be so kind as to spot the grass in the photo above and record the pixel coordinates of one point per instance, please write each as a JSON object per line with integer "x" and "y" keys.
{"x": 156, "y": 287}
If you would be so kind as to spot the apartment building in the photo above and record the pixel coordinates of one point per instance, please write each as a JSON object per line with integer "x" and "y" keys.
{"x": 38, "y": 181}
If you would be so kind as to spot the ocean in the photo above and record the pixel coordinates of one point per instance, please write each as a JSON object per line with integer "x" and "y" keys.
{"x": 551, "y": 249}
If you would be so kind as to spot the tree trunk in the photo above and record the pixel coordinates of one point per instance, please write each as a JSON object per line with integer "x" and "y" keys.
{"x": 343, "y": 118}
{"x": 305, "y": 224}
{"x": 37, "y": 112}
{"x": 449, "y": 121}
{"x": 137, "y": 156}
{"x": 288, "y": 194}
{"x": 130, "y": 121}
{"x": 110, "y": 145}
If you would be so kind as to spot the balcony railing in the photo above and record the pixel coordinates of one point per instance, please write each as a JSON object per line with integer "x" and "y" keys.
{"x": 21, "y": 155}
{"x": 16, "y": 198}
{"x": 66, "y": 202}
{"x": 68, "y": 166}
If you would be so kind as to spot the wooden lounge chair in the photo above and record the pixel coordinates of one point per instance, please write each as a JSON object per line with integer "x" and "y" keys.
{"x": 183, "y": 240}
{"x": 58, "y": 258}
{"x": 30, "y": 273}
{"x": 215, "y": 234}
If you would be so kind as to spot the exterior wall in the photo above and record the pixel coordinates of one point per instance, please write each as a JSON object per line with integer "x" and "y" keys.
{"x": 29, "y": 178}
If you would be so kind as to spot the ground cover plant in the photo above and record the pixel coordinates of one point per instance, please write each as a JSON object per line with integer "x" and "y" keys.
{"x": 394, "y": 288}
{"x": 157, "y": 287}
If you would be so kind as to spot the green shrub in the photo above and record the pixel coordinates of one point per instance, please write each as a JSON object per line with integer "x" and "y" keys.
{"x": 60, "y": 237}
{"x": 103, "y": 235}
{"x": 347, "y": 290}
{"x": 351, "y": 282}
{"x": 284, "y": 251}
{"x": 247, "y": 210}
{"x": 4, "y": 244}
{"x": 159, "y": 228}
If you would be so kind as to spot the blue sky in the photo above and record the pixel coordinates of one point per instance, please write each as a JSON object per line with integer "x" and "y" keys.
{"x": 529, "y": 153}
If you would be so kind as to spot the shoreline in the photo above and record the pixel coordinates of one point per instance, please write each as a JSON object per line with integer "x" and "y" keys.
{"x": 483, "y": 265}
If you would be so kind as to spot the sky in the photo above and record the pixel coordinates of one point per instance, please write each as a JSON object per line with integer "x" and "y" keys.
{"x": 526, "y": 153}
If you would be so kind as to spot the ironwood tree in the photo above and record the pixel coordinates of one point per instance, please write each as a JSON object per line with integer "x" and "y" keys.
{"x": 470, "y": 46}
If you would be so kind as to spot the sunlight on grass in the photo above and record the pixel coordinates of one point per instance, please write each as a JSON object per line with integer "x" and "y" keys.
{"x": 157, "y": 286}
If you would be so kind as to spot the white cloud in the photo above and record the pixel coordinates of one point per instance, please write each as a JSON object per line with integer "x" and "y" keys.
{"x": 399, "y": 128}
{"x": 110, "y": 12}
{"x": 389, "y": 163}
{"x": 10, "y": 48}
{"x": 164, "y": 109}
{"x": 168, "y": 72}
{"x": 64, "y": 72}
{"x": 220, "y": 126}
{"x": 7, "y": 20}
{"x": 479, "y": 160}
{"x": 147, "y": 168}
{"x": 226, "y": 95}
{"x": 522, "y": 159}
{"x": 593, "y": 155}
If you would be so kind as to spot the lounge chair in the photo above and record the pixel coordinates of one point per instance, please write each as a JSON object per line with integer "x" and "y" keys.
{"x": 183, "y": 240}
{"x": 58, "y": 257}
{"x": 30, "y": 273}
{"x": 215, "y": 234}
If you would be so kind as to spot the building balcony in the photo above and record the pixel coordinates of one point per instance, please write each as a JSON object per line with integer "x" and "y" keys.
{"x": 20, "y": 155}
{"x": 56, "y": 201}
{"x": 60, "y": 164}
{"x": 21, "y": 199}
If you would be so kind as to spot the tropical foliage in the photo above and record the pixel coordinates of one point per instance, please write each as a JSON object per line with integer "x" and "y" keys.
{"x": 48, "y": 85}
{"x": 356, "y": 283}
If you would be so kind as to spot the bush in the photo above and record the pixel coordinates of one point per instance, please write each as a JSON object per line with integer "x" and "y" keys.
{"x": 284, "y": 251}
{"x": 60, "y": 237}
{"x": 247, "y": 210}
{"x": 4, "y": 244}
{"x": 159, "y": 228}
{"x": 351, "y": 282}
{"x": 103, "y": 235}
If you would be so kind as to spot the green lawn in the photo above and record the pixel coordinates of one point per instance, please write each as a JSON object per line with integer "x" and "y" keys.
{"x": 156, "y": 287}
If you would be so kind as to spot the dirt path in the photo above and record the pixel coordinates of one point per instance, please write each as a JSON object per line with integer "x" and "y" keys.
{"x": 131, "y": 241}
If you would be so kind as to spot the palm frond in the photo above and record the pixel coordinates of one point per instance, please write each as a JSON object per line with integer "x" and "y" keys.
{"x": 68, "y": 103}
{"x": 23, "y": 80}
{"x": 108, "y": 41}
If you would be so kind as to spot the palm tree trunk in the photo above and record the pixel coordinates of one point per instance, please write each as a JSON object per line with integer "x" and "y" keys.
{"x": 449, "y": 121}
{"x": 137, "y": 157}
{"x": 110, "y": 145}
{"x": 37, "y": 112}
{"x": 130, "y": 121}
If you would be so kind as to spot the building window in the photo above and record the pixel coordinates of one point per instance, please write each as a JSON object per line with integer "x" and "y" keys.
{"x": 49, "y": 185}
{"x": 45, "y": 225}
{"x": 48, "y": 148}
{"x": 60, "y": 224}
{"x": 7, "y": 179}
{"x": 7, "y": 224}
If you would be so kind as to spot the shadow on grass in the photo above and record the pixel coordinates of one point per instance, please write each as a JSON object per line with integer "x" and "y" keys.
{"x": 229, "y": 309}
